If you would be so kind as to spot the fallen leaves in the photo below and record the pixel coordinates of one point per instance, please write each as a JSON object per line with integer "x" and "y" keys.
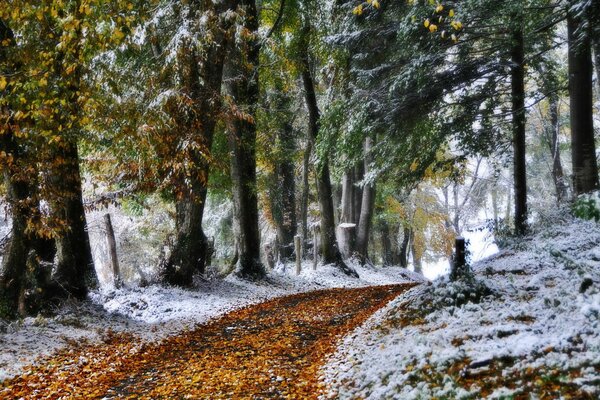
{"x": 270, "y": 350}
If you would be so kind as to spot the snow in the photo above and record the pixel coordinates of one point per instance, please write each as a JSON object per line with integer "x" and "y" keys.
{"x": 536, "y": 316}
{"x": 155, "y": 312}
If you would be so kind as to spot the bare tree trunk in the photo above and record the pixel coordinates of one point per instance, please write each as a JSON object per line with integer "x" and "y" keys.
{"x": 359, "y": 173}
{"x": 74, "y": 271}
{"x": 112, "y": 251}
{"x": 329, "y": 248}
{"x": 386, "y": 244}
{"x": 242, "y": 86}
{"x": 557, "y": 170}
{"x": 456, "y": 219}
{"x": 347, "y": 227}
{"x": 283, "y": 195}
{"x": 403, "y": 251}
{"x": 417, "y": 264}
{"x": 12, "y": 279}
{"x": 366, "y": 208}
{"x": 305, "y": 190}
{"x": 518, "y": 116}
{"x": 583, "y": 146}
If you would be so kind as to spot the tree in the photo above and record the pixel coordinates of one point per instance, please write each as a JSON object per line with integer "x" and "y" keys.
{"x": 583, "y": 146}
{"x": 243, "y": 88}
{"x": 330, "y": 252}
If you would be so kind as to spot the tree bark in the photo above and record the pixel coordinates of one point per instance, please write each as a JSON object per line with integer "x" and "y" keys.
{"x": 366, "y": 209}
{"x": 417, "y": 264}
{"x": 74, "y": 272}
{"x": 329, "y": 249}
{"x": 558, "y": 176}
{"x": 14, "y": 262}
{"x": 346, "y": 233}
{"x": 200, "y": 78}
{"x": 305, "y": 192}
{"x": 111, "y": 245}
{"x": 583, "y": 146}
{"x": 283, "y": 194}
{"x": 386, "y": 244}
{"x": 518, "y": 127}
{"x": 597, "y": 61}
{"x": 403, "y": 251}
{"x": 242, "y": 86}
{"x": 359, "y": 173}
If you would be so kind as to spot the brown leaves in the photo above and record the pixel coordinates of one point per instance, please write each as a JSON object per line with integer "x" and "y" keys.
{"x": 270, "y": 350}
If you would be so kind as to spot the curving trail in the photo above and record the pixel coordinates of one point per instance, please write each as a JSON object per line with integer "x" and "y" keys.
{"x": 269, "y": 350}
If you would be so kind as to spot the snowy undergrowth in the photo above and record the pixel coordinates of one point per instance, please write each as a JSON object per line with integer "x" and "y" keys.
{"x": 155, "y": 312}
{"x": 537, "y": 332}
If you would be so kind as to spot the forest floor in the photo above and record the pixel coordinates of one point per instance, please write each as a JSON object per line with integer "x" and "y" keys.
{"x": 525, "y": 325}
{"x": 270, "y": 350}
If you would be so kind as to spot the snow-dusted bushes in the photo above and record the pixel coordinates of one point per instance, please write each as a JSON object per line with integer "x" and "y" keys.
{"x": 587, "y": 206}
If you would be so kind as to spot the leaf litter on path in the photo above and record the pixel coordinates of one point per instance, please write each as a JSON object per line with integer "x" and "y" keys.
{"x": 270, "y": 350}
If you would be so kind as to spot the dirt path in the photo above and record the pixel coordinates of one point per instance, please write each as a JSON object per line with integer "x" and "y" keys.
{"x": 270, "y": 350}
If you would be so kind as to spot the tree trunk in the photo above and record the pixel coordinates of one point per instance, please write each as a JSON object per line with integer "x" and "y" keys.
{"x": 518, "y": 126}
{"x": 557, "y": 170}
{"x": 74, "y": 272}
{"x": 242, "y": 86}
{"x": 305, "y": 192}
{"x": 583, "y": 147}
{"x": 359, "y": 173}
{"x": 283, "y": 195}
{"x": 417, "y": 264}
{"x": 347, "y": 232}
{"x": 597, "y": 62}
{"x": 12, "y": 279}
{"x": 329, "y": 248}
{"x": 403, "y": 251}
{"x": 111, "y": 245}
{"x": 456, "y": 219}
{"x": 200, "y": 78}
{"x": 386, "y": 244}
{"x": 366, "y": 209}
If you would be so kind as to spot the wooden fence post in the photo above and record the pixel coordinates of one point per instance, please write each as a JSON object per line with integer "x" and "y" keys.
{"x": 315, "y": 247}
{"x": 112, "y": 250}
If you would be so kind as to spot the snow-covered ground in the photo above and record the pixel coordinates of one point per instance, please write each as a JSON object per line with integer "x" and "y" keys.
{"x": 537, "y": 331}
{"x": 155, "y": 312}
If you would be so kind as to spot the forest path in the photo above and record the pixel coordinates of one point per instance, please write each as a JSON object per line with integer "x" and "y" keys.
{"x": 269, "y": 350}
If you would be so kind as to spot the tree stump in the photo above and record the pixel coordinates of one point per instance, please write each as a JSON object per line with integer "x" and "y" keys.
{"x": 459, "y": 260}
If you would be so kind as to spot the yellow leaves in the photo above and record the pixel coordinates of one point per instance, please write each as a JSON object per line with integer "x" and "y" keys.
{"x": 451, "y": 13}
{"x": 457, "y": 25}
{"x": 433, "y": 28}
{"x": 85, "y": 9}
{"x": 358, "y": 10}
{"x": 118, "y": 35}
{"x": 70, "y": 69}
{"x": 3, "y": 83}
{"x": 270, "y": 350}
{"x": 426, "y": 23}
{"x": 414, "y": 165}
{"x": 439, "y": 8}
